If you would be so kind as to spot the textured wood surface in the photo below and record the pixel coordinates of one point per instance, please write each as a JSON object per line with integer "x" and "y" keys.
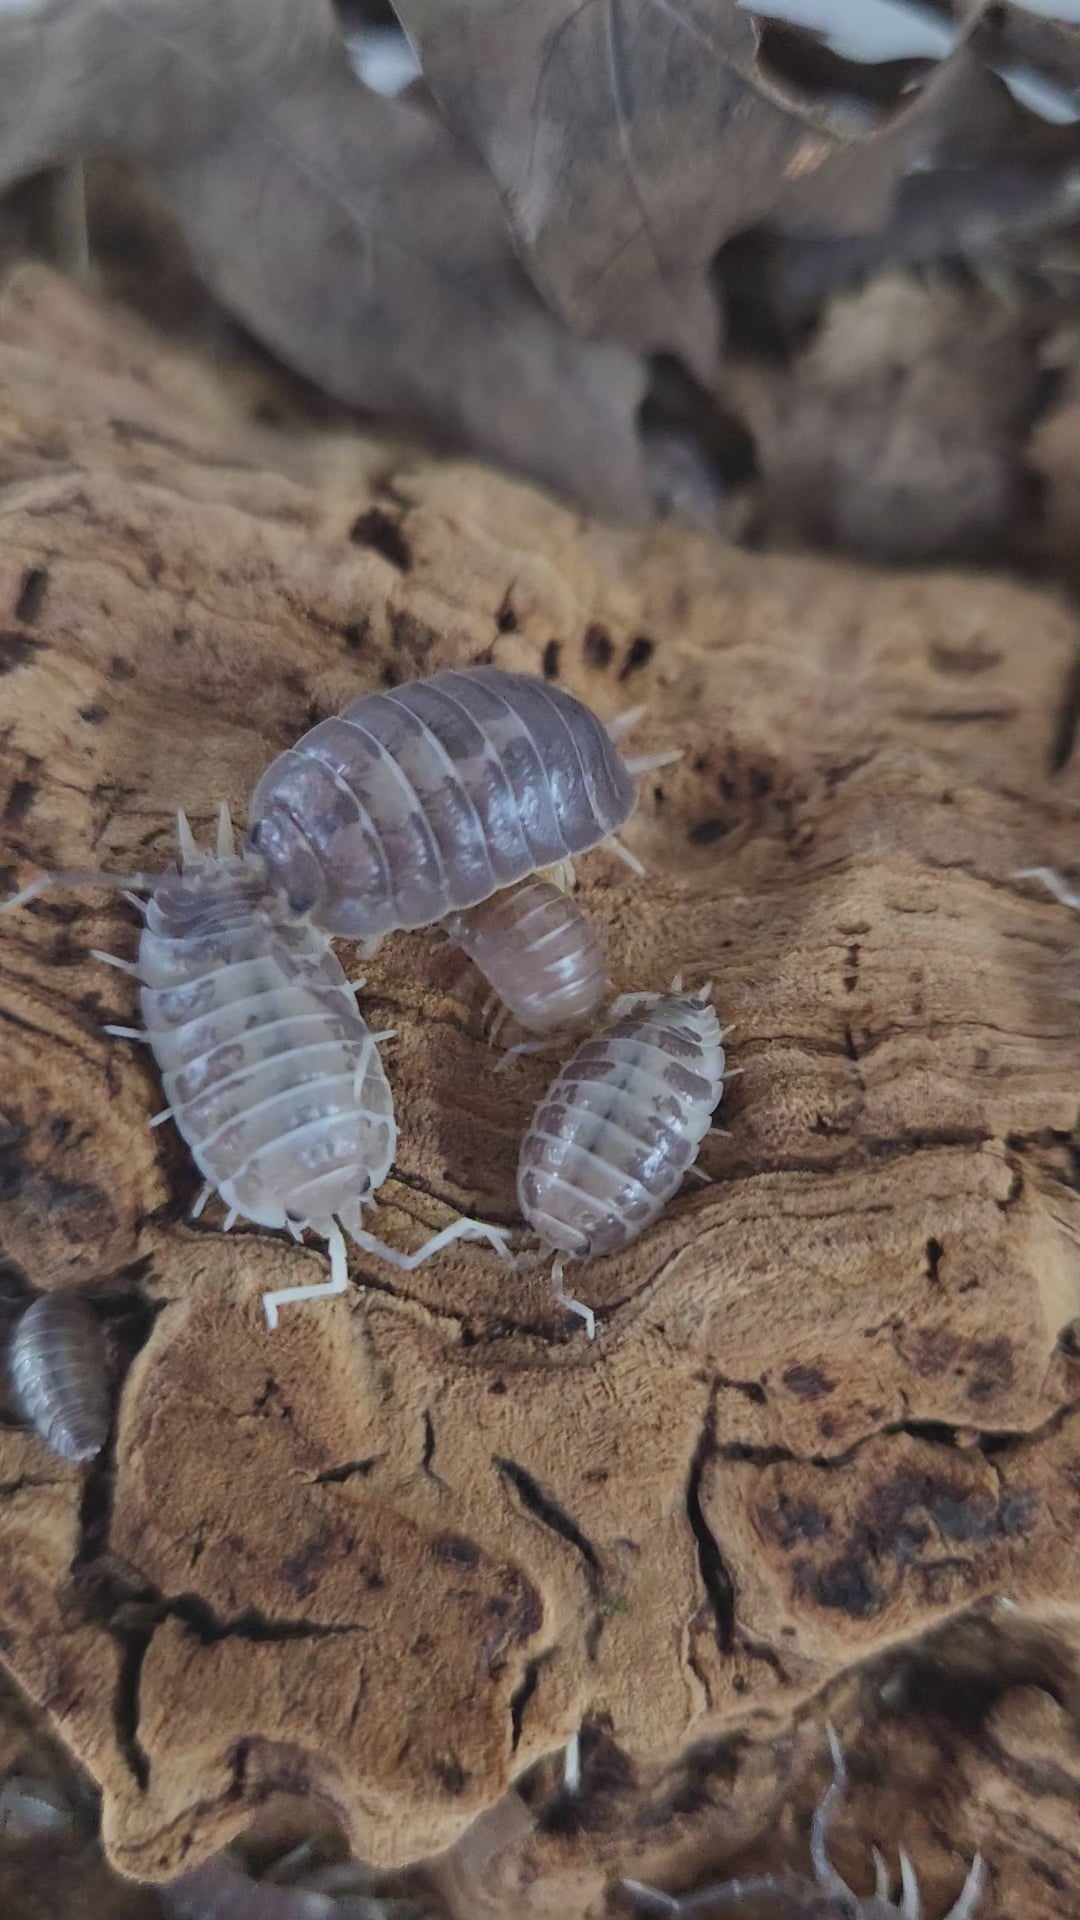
{"x": 401, "y": 1549}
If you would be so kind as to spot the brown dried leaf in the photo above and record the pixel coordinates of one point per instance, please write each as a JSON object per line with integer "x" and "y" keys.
{"x": 631, "y": 138}
{"x": 351, "y": 233}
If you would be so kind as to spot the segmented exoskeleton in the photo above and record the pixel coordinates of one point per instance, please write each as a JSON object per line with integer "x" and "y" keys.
{"x": 58, "y": 1369}
{"x": 538, "y": 950}
{"x": 826, "y": 1897}
{"x": 272, "y": 1075}
{"x": 425, "y": 799}
{"x": 620, "y": 1125}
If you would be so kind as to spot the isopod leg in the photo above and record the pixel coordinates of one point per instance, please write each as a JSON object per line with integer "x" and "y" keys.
{"x": 205, "y": 1192}
{"x": 1053, "y": 883}
{"x": 648, "y": 762}
{"x": 572, "y": 1764}
{"x": 337, "y": 1283}
{"x": 226, "y": 839}
{"x": 827, "y": 1877}
{"x": 461, "y": 1229}
{"x": 185, "y": 839}
{"x": 114, "y": 960}
{"x": 624, "y": 853}
{"x": 623, "y": 722}
{"x": 567, "y": 1299}
{"x": 911, "y": 1906}
{"x": 964, "y": 1906}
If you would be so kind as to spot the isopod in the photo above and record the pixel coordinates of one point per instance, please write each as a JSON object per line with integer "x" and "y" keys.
{"x": 425, "y": 799}
{"x": 620, "y": 1125}
{"x": 826, "y": 1897}
{"x": 58, "y": 1370}
{"x": 272, "y": 1075}
{"x": 538, "y": 950}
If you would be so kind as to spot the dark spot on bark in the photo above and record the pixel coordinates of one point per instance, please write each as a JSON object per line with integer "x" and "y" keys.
{"x": 994, "y": 1367}
{"x": 961, "y": 1516}
{"x": 31, "y": 594}
{"x": 357, "y": 634}
{"x": 1017, "y": 1512}
{"x": 934, "y": 1350}
{"x": 550, "y": 662}
{"x": 497, "y": 1386}
{"x": 93, "y": 715}
{"x": 382, "y": 532}
{"x": 120, "y": 669}
{"x": 59, "y": 1129}
{"x": 706, "y": 831}
{"x": 598, "y": 646}
{"x": 638, "y": 654}
{"x": 971, "y": 658}
{"x": 374, "y": 1578}
{"x": 181, "y": 636}
{"x": 519, "y": 1700}
{"x": 451, "y": 1777}
{"x": 935, "y": 1253}
{"x": 807, "y": 1383}
{"x": 851, "y": 976}
{"x": 793, "y": 1520}
{"x": 846, "y": 1585}
{"x": 16, "y": 649}
{"x": 155, "y": 566}
{"x": 506, "y": 619}
{"x": 19, "y": 802}
{"x": 413, "y": 638}
{"x": 455, "y": 1550}
{"x": 300, "y": 1569}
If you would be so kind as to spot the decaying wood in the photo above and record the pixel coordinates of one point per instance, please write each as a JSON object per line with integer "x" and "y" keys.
{"x": 398, "y": 1551}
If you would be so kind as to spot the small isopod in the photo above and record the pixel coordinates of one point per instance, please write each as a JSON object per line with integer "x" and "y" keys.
{"x": 58, "y": 1370}
{"x": 273, "y": 1076}
{"x": 620, "y": 1125}
{"x": 425, "y": 799}
{"x": 826, "y": 1897}
{"x": 538, "y": 950}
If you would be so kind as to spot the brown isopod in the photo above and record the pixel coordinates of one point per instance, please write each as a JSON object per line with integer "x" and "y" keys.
{"x": 826, "y": 1897}
{"x": 621, "y": 1124}
{"x": 425, "y": 799}
{"x": 59, "y": 1374}
{"x": 537, "y": 948}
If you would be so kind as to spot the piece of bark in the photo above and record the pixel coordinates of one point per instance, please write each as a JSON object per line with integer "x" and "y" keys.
{"x": 397, "y": 1552}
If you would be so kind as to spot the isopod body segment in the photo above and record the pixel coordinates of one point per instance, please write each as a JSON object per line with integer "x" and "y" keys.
{"x": 614, "y": 1134}
{"x": 59, "y": 1374}
{"x": 423, "y": 800}
{"x": 539, "y": 951}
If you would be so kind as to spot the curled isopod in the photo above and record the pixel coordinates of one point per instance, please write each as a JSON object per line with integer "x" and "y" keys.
{"x": 273, "y": 1076}
{"x": 538, "y": 950}
{"x": 35, "y": 1811}
{"x": 825, "y": 1897}
{"x": 423, "y": 800}
{"x": 620, "y": 1125}
{"x": 58, "y": 1370}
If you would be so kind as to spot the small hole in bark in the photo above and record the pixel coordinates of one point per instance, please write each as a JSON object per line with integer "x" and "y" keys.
{"x": 550, "y": 661}
{"x": 638, "y": 654}
{"x": 31, "y": 595}
{"x": 381, "y": 531}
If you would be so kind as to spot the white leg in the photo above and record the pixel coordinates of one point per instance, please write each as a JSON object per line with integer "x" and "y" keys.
{"x": 226, "y": 841}
{"x": 230, "y": 1220}
{"x": 623, "y": 722}
{"x": 699, "y": 1174}
{"x": 718, "y": 1133}
{"x": 882, "y": 1880}
{"x": 460, "y": 1229}
{"x": 1052, "y": 881}
{"x": 384, "y": 1033}
{"x": 185, "y": 839}
{"x": 827, "y": 1877}
{"x": 159, "y": 1119}
{"x": 658, "y": 1902}
{"x": 530, "y": 1046}
{"x": 910, "y": 1905}
{"x": 567, "y": 1299}
{"x": 625, "y": 854}
{"x": 360, "y": 981}
{"x": 337, "y": 1283}
{"x": 113, "y": 960}
{"x": 205, "y": 1192}
{"x": 370, "y": 947}
{"x": 127, "y": 1033}
{"x": 648, "y": 762}
{"x": 133, "y": 900}
{"x": 572, "y": 1764}
{"x": 970, "y": 1893}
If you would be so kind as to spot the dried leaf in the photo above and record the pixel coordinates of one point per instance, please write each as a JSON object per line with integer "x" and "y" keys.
{"x": 631, "y": 138}
{"x": 350, "y": 232}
